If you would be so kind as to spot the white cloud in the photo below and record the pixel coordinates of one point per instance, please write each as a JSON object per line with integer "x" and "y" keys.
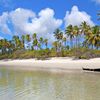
{"x": 19, "y": 18}
{"x": 75, "y": 17}
{"x": 97, "y": 1}
{"x": 1, "y": 37}
{"x": 43, "y": 24}
{"x": 3, "y": 23}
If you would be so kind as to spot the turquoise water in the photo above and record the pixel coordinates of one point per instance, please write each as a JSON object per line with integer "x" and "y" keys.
{"x": 23, "y": 85}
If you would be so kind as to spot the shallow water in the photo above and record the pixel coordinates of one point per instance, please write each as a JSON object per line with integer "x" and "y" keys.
{"x": 23, "y": 85}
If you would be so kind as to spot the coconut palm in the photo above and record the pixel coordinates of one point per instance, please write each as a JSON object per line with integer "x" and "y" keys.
{"x": 76, "y": 33}
{"x": 69, "y": 33}
{"x": 84, "y": 28}
{"x": 55, "y": 45}
{"x": 94, "y": 38}
{"x": 34, "y": 36}
{"x": 16, "y": 41}
{"x": 23, "y": 40}
{"x": 28, "y": 39}
{"x": 35, "y": 43}
{"x": 46, "y": 43}
{"x": 64, "y": 41}
{"x": 39, "y": 46}
{"x": 59, "y": 36}
{"x": 41, "y": 41}
{"x": 1, "y": 45}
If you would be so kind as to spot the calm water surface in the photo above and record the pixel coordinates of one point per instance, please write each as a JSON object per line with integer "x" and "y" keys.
{"x": 22, "y": 85}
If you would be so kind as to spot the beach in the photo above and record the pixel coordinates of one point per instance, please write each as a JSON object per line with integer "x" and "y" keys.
{"x": 56, "y": 64}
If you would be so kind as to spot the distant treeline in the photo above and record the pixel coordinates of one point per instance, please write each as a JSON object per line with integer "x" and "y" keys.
{"x": 83, "y": 36}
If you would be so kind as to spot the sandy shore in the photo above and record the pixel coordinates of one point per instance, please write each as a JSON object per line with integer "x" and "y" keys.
{"x": 53, "y": 64}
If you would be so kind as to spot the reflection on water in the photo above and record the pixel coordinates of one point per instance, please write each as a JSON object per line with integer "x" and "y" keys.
{"x": 21, "y": 85}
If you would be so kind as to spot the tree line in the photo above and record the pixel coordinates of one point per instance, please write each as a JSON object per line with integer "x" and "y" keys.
{"x": 79, "y": 36}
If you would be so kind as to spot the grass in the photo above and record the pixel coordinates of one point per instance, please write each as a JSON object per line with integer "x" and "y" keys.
{"x": 81, "y": 53}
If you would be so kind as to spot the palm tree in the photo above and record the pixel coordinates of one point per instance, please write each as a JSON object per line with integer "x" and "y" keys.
{"x": 59, "y": 36}
{"x": 35, "y": 43}
{"x": 39, "y": 46}
{"x": 76, "y": 33}
{"x": 1, "y": 45}
{"x": 46, "y": 43}
{"x": 41, "y": 41}
{"x": 84, "y": 28}
{"x": 55, "y": 45}
{"x": 34, "y": 36}
{"x": 85, "y": 32}
{"x": 69, "y": 33}
{"x": 16, "y": 41}
{"x": 28, "y": 39}
{"x": 4, "y": 46}
{"x": 94, "y": 38}
{"x": 23, "y": 40}
{"x": 64, "y": 41}
{"x": 11, "y": 46}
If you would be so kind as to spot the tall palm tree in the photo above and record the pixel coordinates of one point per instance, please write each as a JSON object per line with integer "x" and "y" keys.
{"x": 46, "y": 43}
{"x": 94, "y": 38}
{"x": 23, "y": 40}
{"x": 28, "y": 39}
{"x": 58, "y": 34}
{"x": 34, "y": 36}
{"x": 35, "y": 43}
{"x": 85, "y": 32}
{"x": 69, "y": 33}
{"x": 1, "y": 45}
{"x": 84, "y": 27}
{"x": 39, "y": 46}
{"x": 76, "y": 33}
{"x": 41, "y": 41}
{"x": 55, "y": 45}
{"x": 64, "y": 41}
{"x": 4, "y": 46}
{"x": 16, "y": 41}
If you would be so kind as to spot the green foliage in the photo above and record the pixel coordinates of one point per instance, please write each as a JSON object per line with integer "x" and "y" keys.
{"x": 37, "y": 47}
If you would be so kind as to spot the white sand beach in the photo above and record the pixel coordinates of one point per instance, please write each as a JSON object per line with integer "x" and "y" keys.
{"x": 53, "y": 64}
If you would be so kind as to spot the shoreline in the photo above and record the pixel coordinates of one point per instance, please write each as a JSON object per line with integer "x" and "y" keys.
{"x": 56, "y": 64}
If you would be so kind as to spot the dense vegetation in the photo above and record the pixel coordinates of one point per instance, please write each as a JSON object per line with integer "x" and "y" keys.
{"x": 84, "y": 43}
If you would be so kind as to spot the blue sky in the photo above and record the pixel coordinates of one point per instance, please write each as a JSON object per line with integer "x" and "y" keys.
{"x": 31, "y": 15}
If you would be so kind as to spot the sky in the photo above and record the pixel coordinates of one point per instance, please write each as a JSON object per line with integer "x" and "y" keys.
{"x": 19, "y": 17}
